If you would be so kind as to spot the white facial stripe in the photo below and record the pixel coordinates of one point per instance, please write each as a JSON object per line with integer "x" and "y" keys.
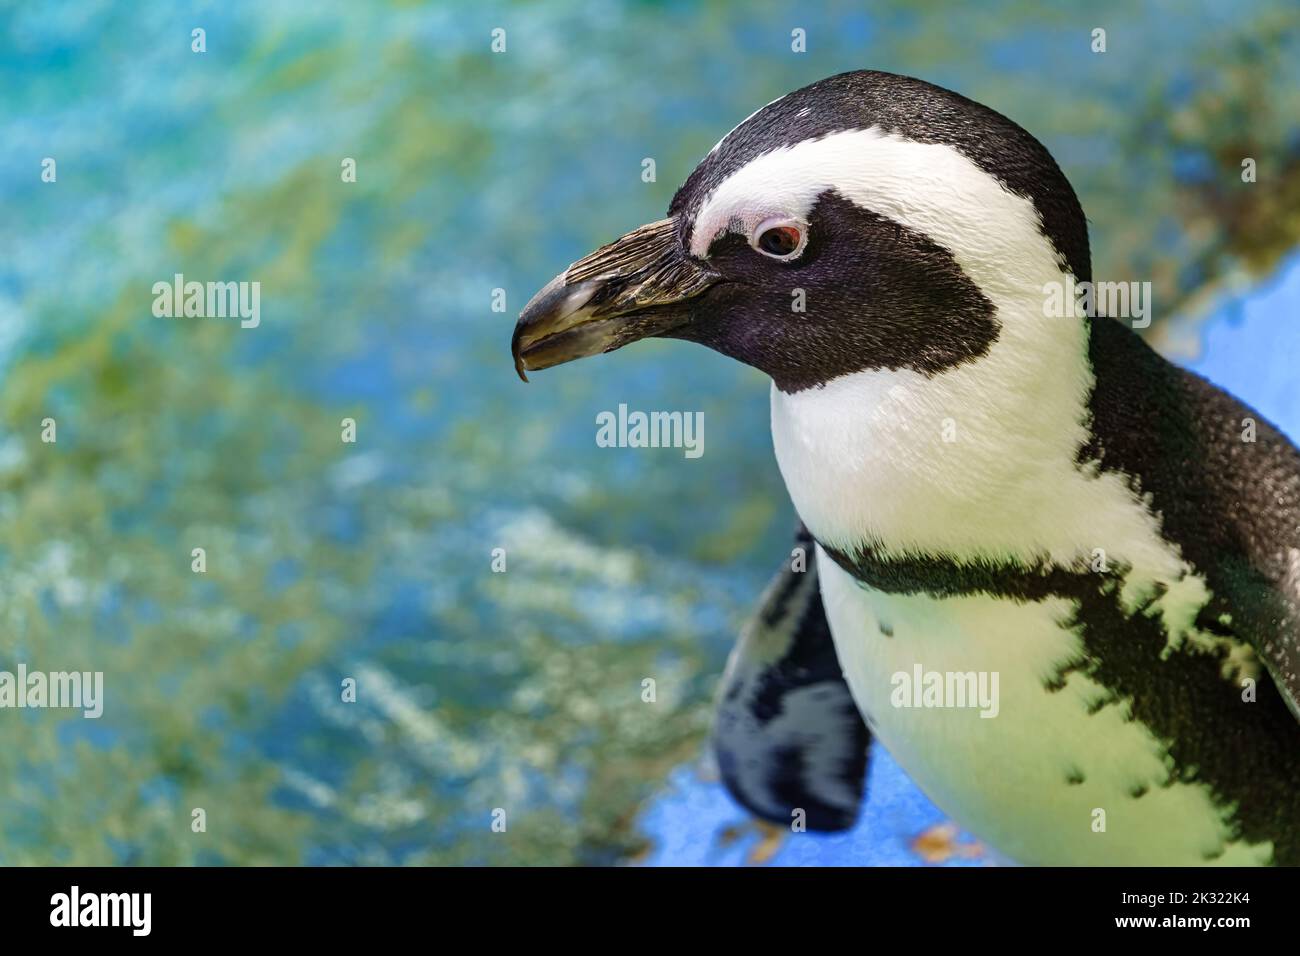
{"x": 928, "y": 187}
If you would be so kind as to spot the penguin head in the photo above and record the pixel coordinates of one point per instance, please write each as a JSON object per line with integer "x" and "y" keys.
{"x": 868, "y": 221}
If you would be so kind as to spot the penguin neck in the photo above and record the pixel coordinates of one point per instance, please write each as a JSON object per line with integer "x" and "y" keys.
{"x": 978, "y": 461}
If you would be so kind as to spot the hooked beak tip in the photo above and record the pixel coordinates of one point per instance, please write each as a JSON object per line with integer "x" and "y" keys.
{"x": 518, "y": 355}
{"x": 629, "y": 289}
{"x": 557, "y": 308}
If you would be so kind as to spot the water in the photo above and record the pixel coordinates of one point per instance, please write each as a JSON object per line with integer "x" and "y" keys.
{"x": 372, "y": 561}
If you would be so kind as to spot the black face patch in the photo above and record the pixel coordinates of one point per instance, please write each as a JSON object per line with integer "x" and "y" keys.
{"x": 917, "y": 111}
{"x": 875, "y": 295}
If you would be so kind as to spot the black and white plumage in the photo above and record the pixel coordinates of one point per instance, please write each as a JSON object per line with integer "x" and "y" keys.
{"x": 788, "y": 736}
{"x": 990, "y": 490}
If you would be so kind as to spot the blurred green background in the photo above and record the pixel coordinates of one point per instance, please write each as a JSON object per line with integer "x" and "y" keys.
{"x": 372, "y": 560}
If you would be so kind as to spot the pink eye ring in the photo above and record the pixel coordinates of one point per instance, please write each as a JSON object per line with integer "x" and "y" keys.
{"x": 780, "y": 239}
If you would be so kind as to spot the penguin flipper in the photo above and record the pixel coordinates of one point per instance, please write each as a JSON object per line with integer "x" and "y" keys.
{"x": 788, "y": 736}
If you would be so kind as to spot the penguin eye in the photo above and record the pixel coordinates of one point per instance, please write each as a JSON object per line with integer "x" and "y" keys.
{"x": 779, "y": 239}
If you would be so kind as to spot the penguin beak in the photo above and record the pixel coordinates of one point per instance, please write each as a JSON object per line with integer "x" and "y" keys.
{"x": 635, "y": 287}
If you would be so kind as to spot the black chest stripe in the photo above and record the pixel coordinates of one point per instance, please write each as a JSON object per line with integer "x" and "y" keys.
{"x": 1245, "y": 753}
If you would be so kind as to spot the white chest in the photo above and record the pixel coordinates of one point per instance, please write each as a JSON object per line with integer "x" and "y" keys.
{"x": 1032, "y": 779}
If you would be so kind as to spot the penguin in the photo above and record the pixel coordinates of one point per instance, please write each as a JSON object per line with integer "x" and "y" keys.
{"x": 992, "y": 496}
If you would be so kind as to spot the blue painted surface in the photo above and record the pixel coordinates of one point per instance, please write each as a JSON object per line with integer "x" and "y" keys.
{"x": 1251, "y": 347}
{"x": 688, "y": 823}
